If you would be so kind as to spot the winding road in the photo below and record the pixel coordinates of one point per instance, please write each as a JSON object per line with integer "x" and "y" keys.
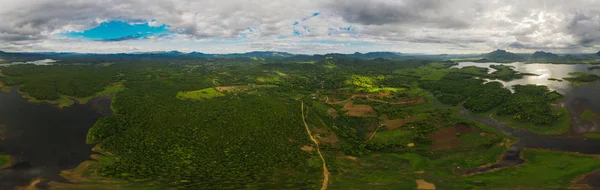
{"x": 325, "y": 171}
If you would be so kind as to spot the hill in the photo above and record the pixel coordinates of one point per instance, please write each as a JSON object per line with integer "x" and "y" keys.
{"x": 543, "y": 55}
{"x": 259, "y": 54}
{"x": 503, "y": 56}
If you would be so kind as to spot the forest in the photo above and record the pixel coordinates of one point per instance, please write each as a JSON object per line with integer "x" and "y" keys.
{"x": 50, "y": 82}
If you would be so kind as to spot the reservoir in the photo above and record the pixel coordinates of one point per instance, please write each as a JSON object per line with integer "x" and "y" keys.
{"x": 578, "y": 98}
{"x": 43, "y": 138}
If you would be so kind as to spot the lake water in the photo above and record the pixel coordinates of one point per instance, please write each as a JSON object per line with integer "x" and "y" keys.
{"x": 43, "y": 138}
{"x": 590, "y": 92}
{"x": 544, "y": 72}
{"x": 38, "y": 62}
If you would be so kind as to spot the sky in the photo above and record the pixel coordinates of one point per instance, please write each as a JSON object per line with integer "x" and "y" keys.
{"x": 300, "y": 26}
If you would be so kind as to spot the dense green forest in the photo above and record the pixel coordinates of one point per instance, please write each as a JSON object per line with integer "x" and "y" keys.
{"x": 237, "y": 124}
{"x": 50, "y": 82}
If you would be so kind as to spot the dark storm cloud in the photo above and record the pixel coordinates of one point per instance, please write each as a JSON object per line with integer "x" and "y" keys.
{"x": 585, "y": 28}
{"x": 422, "y": 12}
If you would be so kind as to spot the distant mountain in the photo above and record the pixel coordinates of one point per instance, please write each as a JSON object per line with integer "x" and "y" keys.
{"x": 598, "y": 54}
{"x": 500, "y": 54}
{"x": 373, "y": 55}
{"x": 370, "y": 55}
{"x": 503, "y": 56}
{"x": 197, "y": 54}
{"x": 259, "y": 54}
{"x": 543, "y": 55}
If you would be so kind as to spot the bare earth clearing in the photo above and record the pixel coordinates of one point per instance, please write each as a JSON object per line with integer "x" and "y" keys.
{"x": 359, "y": 110}
{"x": 447, "y": 138}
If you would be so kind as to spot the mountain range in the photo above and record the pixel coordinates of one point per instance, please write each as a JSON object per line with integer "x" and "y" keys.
{"x": 494, "y": 56}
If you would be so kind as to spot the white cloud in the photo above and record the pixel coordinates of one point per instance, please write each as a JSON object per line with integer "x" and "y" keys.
{"x": 221, "y": 26}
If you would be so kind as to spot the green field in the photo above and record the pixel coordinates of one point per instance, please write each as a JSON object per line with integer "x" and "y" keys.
{"x": 544, "y": 169}
{"x": 588, "y": 115}
{"x": 561, "y": 126}
{"x": 5, "y": 161}
{"x": 207, "y": 93}
{"x": 592, "y": 135}
{"x": 112, "y": 89}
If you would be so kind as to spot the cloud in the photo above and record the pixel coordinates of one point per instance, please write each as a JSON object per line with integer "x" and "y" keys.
{"x": 426, "y": 26}
{"x": 423, "y": 12}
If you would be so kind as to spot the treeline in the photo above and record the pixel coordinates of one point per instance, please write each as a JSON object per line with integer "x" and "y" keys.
{"x": 582, "y": 77}
{"x": 50, "y": 82}
{"x": 456, "y": 88}
{"x": 529, "y": 103}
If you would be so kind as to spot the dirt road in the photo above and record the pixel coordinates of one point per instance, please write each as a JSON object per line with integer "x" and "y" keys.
{"x": 325, "y": 171}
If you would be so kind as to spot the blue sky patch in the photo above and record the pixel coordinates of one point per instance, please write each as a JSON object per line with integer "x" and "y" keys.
{"x": 117, "y": 30}
{"x": 298, "y": 32}
{"x": 347, "y": 29}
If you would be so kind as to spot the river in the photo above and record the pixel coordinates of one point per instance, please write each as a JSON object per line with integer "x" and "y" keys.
{"x": 44, "y": 139}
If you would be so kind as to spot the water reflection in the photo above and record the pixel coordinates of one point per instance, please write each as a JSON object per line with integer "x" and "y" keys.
{"x": 38, "y": 62}
{"x": 590, "y": 92}
{"x": 543, "y": 72}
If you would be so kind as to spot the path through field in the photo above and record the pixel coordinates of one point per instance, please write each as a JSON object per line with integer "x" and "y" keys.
{"x": 325, "y": 171}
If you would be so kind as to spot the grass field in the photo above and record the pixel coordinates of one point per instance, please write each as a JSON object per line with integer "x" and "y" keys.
{"x": 560, "y": 127}
{"x": 588, "y": 115}
{"x": 85, "y": 177}
{"x": 543, "y": 170}
{"x": 5, "y": 88}
{"x": 108, "y": 90}
{"x": 63, "y": 101}
{"x": 5, "y": 161}
{"x": 392, "y": 137}
{"x": 66, "y": 101}
{"x": 382, "y": 171}
{"x": 592, "y": 135}
{"x": 207, "y": 93}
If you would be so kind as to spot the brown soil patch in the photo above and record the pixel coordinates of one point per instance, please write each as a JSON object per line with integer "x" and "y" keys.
{"x": 385, "y": 94}
{"x": 422, "y": 184}
{"x": 445, "y": 139}
{"x": 325, "y": 136}
{"x": 307, "y": 148}
{"x": 32, "y": 185}
{"x": 410, "y": 102}
{"x": 332, "y": 100}
{"x": 359, "y": 110}
{"x": 332, "y": 112}
{"x": 392, "y": 124}
{"x": 231, "y": 88}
